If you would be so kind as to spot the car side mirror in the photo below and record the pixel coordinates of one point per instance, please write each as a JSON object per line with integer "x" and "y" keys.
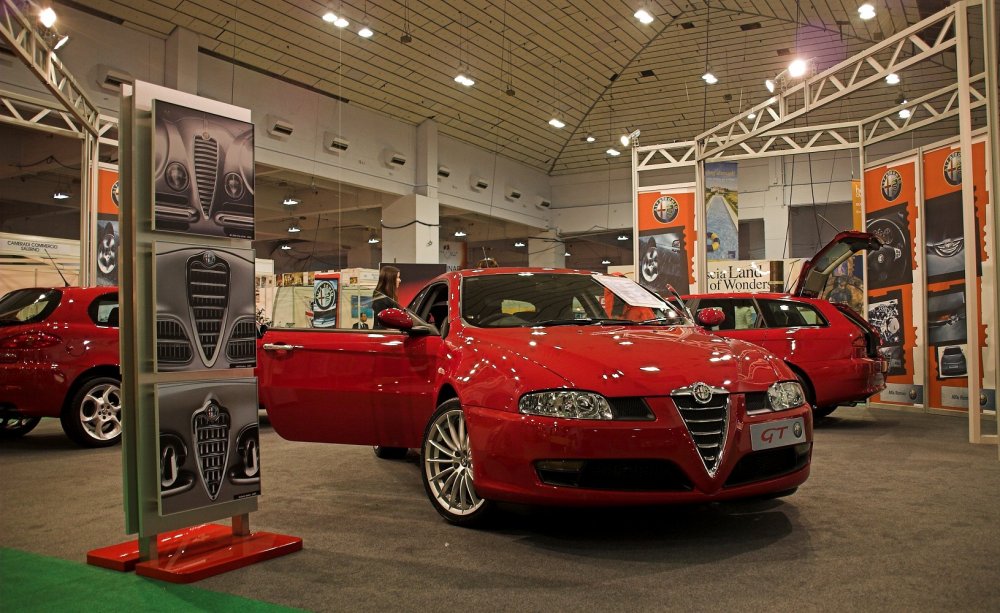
{"x": 712, "y": 316}
{"x": 396, "y": 319}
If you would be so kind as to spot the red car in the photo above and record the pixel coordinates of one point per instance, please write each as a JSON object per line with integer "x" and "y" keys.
{"x": 546, "y": 386}
{"x": 832, "y": 350}
{"x": 59, "y": 358}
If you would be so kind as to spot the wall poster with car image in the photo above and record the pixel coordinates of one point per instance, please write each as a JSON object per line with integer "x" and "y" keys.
{"x": 666, "y": 239}
{"x": 108, "y": 238}
{"x": 948, "y": 334}
{"x": 204, "y": 307}
{"x": 895, "y": 278}
{"x": 209, "y": 443}
{"x": 203, "y": 172}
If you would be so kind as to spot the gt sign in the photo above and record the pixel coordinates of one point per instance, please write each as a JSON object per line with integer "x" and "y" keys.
{"x": 777, "y": 433}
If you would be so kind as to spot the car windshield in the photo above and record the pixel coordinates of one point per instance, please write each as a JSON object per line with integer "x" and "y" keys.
{"x": 526, "y": 299}
{"x": 25, "y": 306}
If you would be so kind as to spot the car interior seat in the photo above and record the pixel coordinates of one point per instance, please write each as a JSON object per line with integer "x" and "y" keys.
{"x": 113, "y": 318}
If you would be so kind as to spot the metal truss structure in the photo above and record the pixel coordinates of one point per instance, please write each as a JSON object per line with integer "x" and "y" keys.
{"x": 783, "y": 125}
{"x": 71, "y": 114}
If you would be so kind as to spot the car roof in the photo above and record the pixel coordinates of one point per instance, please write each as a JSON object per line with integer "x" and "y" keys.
{"x": 75, "y": 291}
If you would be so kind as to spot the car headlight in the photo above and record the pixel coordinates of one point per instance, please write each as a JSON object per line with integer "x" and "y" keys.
{"x": 234, "y": 186}
{"x": 176, "y": 176}
{"x": 566, "y": 403}
{"x": 785, "y": 395}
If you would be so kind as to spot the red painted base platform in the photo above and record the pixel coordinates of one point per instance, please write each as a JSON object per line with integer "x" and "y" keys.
{"x": 192, "y": 554}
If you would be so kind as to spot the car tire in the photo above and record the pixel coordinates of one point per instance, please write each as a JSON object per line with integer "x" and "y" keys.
{"x": 390, "y": 453}
{"x": 93, "y": 416}
{"x": 16, "y": 427}
{"x": 446, "y": 467}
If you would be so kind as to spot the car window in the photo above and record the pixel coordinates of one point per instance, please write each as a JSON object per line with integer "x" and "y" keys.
{"x": 103, "y": 310}
{"x": 26, "y": 306}
{"x": 741, "y": 313}
{"x": 432, "y": 305}
{"x": 789, "y": 314}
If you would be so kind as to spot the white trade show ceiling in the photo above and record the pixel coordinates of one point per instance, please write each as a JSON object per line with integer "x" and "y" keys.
{"x": 591, "y": 63}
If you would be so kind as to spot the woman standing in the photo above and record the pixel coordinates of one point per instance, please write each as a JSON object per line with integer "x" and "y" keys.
{"x": 385, "y": 296}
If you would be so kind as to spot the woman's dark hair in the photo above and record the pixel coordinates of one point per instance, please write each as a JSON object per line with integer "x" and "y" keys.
{"x": 387, "y": 282}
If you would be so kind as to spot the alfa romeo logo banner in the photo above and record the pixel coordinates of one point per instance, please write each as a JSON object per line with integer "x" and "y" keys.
{"x": 666, "y": 239}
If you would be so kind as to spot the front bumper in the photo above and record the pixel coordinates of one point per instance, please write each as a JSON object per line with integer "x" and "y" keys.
{"x": 517, "y": 458}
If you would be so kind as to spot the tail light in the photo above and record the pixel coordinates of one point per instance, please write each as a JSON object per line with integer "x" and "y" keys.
{"x": 29, "y": 340}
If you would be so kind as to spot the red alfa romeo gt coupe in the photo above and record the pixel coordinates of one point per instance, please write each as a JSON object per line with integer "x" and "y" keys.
{"x": 546, "y": 386}
{"x": 832, "y": 350}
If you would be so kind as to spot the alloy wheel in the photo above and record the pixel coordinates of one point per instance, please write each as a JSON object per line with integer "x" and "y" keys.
{"x": 448, "y": 465}
{"x": 100, "y": 412}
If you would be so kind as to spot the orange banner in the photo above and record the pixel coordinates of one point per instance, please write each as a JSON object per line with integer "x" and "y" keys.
{"x": 666, "y": 239}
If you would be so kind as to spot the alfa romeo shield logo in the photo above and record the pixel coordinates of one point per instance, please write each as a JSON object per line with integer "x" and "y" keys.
{"x": 116, "y": 192}
{"x": 665, "y": 209}
{"x": 953, "y": 168}
{"x": 892, "y": 185}
{"x": 208, "y": 258}
{"x": 702, "y": 393}
{"x": 797, "y": 429}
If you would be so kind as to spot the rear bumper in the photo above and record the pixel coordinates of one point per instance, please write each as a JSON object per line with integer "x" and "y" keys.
{"x": 33, "y": 389}
{"x": 844, "y": 381}
{"x": 510, "y": 451}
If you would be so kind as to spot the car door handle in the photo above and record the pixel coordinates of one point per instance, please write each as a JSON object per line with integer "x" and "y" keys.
{"x": 281, "y": 347}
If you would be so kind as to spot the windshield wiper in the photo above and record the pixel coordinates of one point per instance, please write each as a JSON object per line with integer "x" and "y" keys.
{"x": 597, "y": 321}
{"x": 663, "y": 320}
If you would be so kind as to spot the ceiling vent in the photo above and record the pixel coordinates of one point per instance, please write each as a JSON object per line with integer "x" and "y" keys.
{"x": 112, "y": 79}
{"x": 512, "y": 193}
{"x": 279, "y": 128}
{"x": 394, "y": 159}
{"x": 479, "y": 184}
{"x": 334, "y": 143}
{"x": 444, "y": 172}
{"x": 543, "y": 203}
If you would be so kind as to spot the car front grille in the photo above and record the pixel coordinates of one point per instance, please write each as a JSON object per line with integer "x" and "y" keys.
{"x": 242, "y": 345}
{"x": 208, "y": 297}
{"x": 621, "y": 475}
{"x": 172, "y": 344}
{"x": 707, "y": 423}
{"x": 211, "y": 425}
{"x": 206, "y": 170}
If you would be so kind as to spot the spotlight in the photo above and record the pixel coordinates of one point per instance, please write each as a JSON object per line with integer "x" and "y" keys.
{"x": 567, "y": 254}
{"x": 285, "y": 246}
{"x": 644, "y": 17}
{"x": 61, "y": 42}
{"x": 624, "y": 140}
{"x": 373, "y": 240}
{"x": 892, "y": 78}
{"x": 590, "y": 138}
{"x": 47, "y": 16}
{"x": 464, "y": 80}
{"x": 557, "y": 123}
{"x": 797, "y": 68}
{"x": 710, "y": 78}
{"x": 340, "y": 22}
{"x": 769, "y": 84}
{"x": 460, "y": 233}
{"x": 365, "y": 32}
{"x": 866, "y": 11}
{"x": 406, "y": 39}
{"x": 904, "y": 113}
{"x": 623, "y": 237}
{"x": 752, "y": 116}
{"x": 290, "y": 201}
{"x": 60, "y": 194}
{"x": 606, "y": 262}
{"x": 613, "y": 152}
{"x": 294, "y": 227}
{"x": 329, "y": 17}
{"x": 519, "y": 244}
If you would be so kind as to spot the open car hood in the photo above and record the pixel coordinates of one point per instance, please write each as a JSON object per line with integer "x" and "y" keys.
{"x": 818, "y": 269}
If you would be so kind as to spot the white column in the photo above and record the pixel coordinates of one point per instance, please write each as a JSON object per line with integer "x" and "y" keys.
{"x": 546, "y": 250}
{"x": 775, "y": 212}
{"x": 410, "y": 232}
{"x": 180, "y": 62}
{"x": 427, "y": 159}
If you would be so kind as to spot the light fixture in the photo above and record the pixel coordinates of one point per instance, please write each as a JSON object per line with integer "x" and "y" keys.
{"x": 464, "y": 80}
{"x": 710, "y": 78}
{"x": 340, "y": 22}
{"x": 47, "y": 16}
{"x": 770, "y": 85}
{"x": 624, "y": 140}
{"x": 752, "y": 115}
{"x": 373, "y": 240}
{"x": 365, "y": 31}
{"x": 892, "y": 78}
{"x": 797, "y": 68}
{"x": 557, "y": 123}
{"x": 60, "y": 195}
{"x": 61, "y": 42}
{"x": 285, "y": 246}
{"x": 290, "y": 201}
{"x": 590, "y": 138}
{"x": 606, "y": 262}
{"x": 329, "y": 17}
{"x": 623, "y": 237}
{"x": 613, "y": 152}
{"x": 519, "y": 244}
{"x": 294, "y": 227}
{"x": 567, "y": 254}
{"x": 460, "y": 233}
{"x": 866, "y": 11}
{"x": 644, "y": 17}
{"x": 903, "y": 113}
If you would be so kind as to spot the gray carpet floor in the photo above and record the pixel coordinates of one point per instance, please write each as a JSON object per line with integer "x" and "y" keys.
{"x": 901, "y": 513}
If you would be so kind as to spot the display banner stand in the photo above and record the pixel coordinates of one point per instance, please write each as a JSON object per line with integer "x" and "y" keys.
{"x": 190, "y": 441}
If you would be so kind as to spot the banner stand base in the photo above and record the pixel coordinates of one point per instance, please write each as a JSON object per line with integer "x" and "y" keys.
{"x": 195, "y": 553}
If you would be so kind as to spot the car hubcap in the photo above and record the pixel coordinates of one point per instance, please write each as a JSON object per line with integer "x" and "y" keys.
{"x": 100, "y": 412}
{"x": 650, "y": 267}
{"x": 448, "y": 465}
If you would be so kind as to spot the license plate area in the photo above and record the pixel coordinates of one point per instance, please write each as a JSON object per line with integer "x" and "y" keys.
{"x": 780, "y": 433}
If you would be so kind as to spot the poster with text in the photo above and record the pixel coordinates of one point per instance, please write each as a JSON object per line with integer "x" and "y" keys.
{"x": 209, "y": 443}
{"x": 949, "y": 339}
{"x": 666, "y": 239}
{"x": 108, "y": 238}
{"x": 203, "y": 172}
{"x": 722, "y": 219}
{"x": 895, "y": 278}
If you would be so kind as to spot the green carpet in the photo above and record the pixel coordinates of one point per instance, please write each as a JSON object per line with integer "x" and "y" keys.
{"x": 38, "y": 583}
